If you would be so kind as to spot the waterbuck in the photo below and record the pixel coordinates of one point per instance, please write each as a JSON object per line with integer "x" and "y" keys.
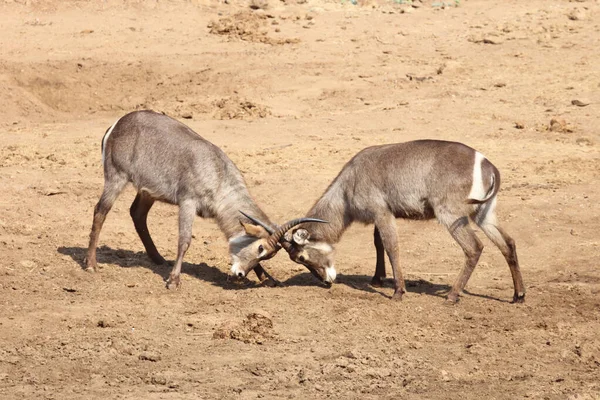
{"x": 166, "y": 161}
{"x": 422, "y": 179}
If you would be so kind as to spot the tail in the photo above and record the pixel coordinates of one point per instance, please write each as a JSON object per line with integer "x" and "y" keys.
{"x": 493, "y": 189}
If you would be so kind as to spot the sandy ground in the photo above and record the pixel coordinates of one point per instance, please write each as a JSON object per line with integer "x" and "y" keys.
{"x": 290, "y": 91}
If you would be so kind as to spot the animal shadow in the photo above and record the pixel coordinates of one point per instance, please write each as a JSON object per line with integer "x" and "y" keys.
{"x": 362, "y": 282}
{"x": 129, "y": 259}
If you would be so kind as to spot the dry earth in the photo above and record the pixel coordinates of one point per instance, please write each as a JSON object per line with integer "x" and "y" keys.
{"x": 291, "y": 90}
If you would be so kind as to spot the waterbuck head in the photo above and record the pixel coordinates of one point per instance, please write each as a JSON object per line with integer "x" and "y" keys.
{"x": 316, "y": 255}
{"x": 260, "y": 242}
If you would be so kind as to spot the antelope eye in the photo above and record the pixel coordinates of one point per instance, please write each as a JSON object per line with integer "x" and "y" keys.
{"x": 260, "y": 249}
{"x": 301, "y": 258}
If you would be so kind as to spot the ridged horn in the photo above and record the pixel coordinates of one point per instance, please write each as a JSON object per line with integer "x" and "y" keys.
{"x": 276, "y": 236}
{"x": 258, "y": 222}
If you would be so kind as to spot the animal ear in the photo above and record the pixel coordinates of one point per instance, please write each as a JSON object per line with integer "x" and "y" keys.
{"x": 255, "y": 230}
{"x": 301, "y": 237}
{"x": 287, "y": 237}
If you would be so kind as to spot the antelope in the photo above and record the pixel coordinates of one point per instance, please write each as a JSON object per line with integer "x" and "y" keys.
{"x": 416, "y": 180}
{"x": 167, "y": 161}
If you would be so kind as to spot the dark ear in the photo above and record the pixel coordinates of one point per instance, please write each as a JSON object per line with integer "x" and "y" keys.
{"x": 255, "y": 230}
{"x": 301, "y": 237}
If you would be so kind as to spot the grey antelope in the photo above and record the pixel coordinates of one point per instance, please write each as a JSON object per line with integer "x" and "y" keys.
{"x": 422, "y": 179}
{"x": 166, "y": 161}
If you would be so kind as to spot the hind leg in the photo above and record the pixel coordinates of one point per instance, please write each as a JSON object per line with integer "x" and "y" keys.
{"x": 379, "y": 276}
{"x": 139, "y": 213}
{"x": 507, "y": 246}
{"x": 472, "y": 247}
{"x": 112, "y": 188}
{"x": 487, "y": 221}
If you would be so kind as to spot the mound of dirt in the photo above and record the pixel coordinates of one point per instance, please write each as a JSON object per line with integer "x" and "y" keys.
{"x": 248, "y": 26}
{"x": 237, "y": 108}
{"x": 255, "y": 329}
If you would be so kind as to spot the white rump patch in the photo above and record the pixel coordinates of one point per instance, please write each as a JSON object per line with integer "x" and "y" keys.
{"x": 330, "y": 274}
{"x": 106, "y": 137}
{"x": 478, "y": 189}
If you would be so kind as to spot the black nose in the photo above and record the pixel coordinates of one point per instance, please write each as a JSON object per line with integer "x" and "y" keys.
{"x": 240, "y": 274}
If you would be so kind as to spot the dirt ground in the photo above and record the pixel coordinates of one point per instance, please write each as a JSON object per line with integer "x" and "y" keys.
{"x": 290, "y": 90}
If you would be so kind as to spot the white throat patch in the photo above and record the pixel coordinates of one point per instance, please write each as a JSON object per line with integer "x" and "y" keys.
{"x": 235, "y": 268}
{"x": 330, "y": 274}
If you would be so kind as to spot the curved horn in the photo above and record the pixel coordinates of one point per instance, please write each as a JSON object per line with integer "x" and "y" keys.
{"x": 258, "y": 222}
{"x": 278, "y": 234}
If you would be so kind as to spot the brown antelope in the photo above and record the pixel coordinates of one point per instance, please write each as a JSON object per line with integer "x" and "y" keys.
{"x": 166, "y": 161}
{"x": 422, "y": 179}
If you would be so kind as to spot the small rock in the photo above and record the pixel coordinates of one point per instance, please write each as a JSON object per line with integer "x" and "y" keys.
{"x": 579, "y": 103}
{"x": 577, "y": 14}
{"x": 558, "y": 125}
{"x": 302, "y": 376}
{"x": 342, "y": 362}
{"x": 445, "y": 376}
{"x": 519, "y": 125}
{"x": 582, "y": 141}
{"x": 149, "y": 357}
{"x": 159, "y": 380}
{"x": 103, "y": 324}
{"x": 28, "y": 264}
{"x": 492, "y": 40}
{"x": 350, "y": 354}
{"x": 259, "y": 4}
{"x": 416, "y": 345}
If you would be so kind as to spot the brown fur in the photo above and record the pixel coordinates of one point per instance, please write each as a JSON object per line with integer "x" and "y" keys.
{"x": 423, "y": 179}
{"x": 166, "y": 161}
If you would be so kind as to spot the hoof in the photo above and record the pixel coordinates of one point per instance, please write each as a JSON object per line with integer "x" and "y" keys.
{"x": 397, "y": 296}
{"x": 451, "y": 299}
{"x": 90, "y": 264}
{"x": 89, "y": 267}
{"x": 450, "y": 303}
{"x": 377, "y": 282}
{"x": 271, "y": 283}
{"x": 173, "y": 283}
{"x": 518, "y": 298}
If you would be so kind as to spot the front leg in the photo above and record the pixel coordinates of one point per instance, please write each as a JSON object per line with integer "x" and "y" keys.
{"x": 263, "y": 275}
{"x": 187, "y": 212}
{"x": 379, "y": 276}
{"x": 389, "y": 239}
